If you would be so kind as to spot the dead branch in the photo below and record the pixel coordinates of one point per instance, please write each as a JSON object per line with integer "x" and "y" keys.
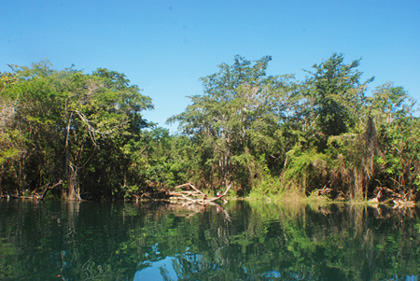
{"x": 189, "y": 185}
{"x": 50, "y": 188}
{"x": 221, "y": 195}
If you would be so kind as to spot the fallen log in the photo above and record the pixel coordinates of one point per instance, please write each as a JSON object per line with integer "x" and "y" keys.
{"x": 195, "y": 196}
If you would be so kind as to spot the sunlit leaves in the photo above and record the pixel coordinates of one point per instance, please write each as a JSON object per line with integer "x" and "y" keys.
{"x": 234, "y": 118}
{"x": 337, "y": 94}
{"x": 67, "y": 116}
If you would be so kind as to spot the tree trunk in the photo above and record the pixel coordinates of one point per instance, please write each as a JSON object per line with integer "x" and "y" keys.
{"x": 357, "y": 192}
{"x": 72, "y": 192}
{"x": 72, "y": 171}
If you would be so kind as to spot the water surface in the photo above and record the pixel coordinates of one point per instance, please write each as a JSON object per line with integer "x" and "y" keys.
{"x": 241, "y": 241}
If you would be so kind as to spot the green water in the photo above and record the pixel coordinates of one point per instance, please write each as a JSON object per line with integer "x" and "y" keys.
{"x": 243, "y": 241}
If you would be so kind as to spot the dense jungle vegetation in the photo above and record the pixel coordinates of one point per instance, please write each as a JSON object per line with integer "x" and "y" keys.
{"x": 81, "y": 135}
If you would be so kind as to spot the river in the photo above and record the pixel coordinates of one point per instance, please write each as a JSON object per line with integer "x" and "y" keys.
{"x": 244, "y": 240}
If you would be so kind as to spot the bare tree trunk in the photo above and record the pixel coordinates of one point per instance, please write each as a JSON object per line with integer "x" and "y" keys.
{"x": 357, "y": 192}
{"x": 72, "y": 171}
{"x": 73, "y": 191}
{"x": 370, "y": 145}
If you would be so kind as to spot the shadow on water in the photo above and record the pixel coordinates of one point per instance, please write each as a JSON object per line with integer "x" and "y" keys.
{"x": 241, "y": 241}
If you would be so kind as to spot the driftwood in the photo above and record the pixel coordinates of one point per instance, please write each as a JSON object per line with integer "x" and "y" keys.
{"x": 194, "y": 195}
{"x": 399, "y": 200}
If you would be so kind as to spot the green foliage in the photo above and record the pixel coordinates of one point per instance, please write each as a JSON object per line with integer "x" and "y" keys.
{"x": 325, "y": 133}
{"x": 64, "y": 119}
{"x": 398, "y": 137}
{"x": 336, "y": 94}
{"x": 231, "y": 121}
{"x": 265, "y": 135}
{"x": 306, "y": 169}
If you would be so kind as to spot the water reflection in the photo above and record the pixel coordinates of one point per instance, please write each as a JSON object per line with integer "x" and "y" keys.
{"x": 241, "y": 241}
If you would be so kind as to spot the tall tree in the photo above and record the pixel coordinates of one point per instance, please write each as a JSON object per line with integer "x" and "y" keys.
{"x": 67, "y": 116}
{"x": 336, "y": 95}
{"x": 237, "y": 103}
{"x": 328, "y": 122}
{"x": 398, "y": 135}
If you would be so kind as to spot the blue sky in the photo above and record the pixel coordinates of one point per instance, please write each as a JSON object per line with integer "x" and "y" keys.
{"x": 165, "y": 46}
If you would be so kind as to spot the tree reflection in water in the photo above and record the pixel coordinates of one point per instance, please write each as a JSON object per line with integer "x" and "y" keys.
{"x": 243, "y": 241}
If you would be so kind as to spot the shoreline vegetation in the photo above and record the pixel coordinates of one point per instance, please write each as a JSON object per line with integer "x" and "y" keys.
{"x": 288, "y": 198}
{"x": 65, "y": 134}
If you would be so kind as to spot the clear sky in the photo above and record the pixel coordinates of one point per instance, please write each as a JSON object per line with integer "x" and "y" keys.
{"x": 165, "y": 46}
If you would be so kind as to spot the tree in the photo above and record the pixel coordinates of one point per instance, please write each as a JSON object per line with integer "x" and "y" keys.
{"x": 336, "y": 95}
{"x": 66, "y": 117}
{"x": 398, "y": 137}
{"x": 230, "y": 119}
{"x": 331, "y": 114}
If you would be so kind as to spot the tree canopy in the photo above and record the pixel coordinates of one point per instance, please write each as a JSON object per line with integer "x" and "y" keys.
{"x": 81, "y": 135}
